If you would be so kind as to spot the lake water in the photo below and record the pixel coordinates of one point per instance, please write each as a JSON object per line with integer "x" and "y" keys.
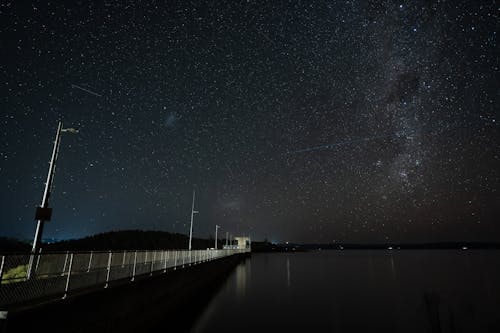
{"x": 359, "y": 291}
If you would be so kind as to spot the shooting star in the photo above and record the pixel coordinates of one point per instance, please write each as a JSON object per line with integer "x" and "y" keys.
{"x": 86, "y": 90}
{"x": 431, "y": 130}
{"x": 341, "y": 143}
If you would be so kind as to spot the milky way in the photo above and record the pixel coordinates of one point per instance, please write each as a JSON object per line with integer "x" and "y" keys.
{"x": 295, "y": 121}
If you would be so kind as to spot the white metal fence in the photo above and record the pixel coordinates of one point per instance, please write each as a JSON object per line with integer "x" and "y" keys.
{"x": 28, "y": 277}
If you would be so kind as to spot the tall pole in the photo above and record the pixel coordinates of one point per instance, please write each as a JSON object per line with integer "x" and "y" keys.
{"x": 192, "y": 218}
{"x": 46, "y": 193}
{"x": 216, "y": 228}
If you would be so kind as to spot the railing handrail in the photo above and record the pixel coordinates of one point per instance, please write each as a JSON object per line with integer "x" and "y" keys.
{"x": 26, "y": 277}
{"x": 97, "y": 251}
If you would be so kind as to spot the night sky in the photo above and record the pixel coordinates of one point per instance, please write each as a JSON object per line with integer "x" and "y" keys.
{"x": 355, "y": 121}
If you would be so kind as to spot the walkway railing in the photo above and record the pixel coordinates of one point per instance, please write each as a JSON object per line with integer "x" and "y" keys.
{"x": 27, "y": 277}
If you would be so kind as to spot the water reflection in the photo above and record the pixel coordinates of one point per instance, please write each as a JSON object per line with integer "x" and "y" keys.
{"x": 242, "y": 270}
{"x": 393, "y": 268}
{"x": 288, "y": 280}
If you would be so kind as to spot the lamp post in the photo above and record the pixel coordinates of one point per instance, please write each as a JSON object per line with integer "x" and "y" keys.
{"x": 192, "y": 218}
{"x": 43, "y": 212}
{"x": 216, "y": 228}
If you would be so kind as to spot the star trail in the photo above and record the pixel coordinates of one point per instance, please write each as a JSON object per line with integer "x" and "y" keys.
{"x": 306, "y": 121}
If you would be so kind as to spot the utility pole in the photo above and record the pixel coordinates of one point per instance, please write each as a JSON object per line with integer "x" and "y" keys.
{"x": 43, "y": 212}
{"x": 192, "y": 218}
{"x": 227, "y": 238}
{"x": 216, "y": 228}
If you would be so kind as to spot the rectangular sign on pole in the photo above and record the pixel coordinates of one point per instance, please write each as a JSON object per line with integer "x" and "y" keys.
{"x": 43, "y": 214}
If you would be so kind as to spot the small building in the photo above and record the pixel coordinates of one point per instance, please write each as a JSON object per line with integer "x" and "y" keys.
{"x": 242, "y": 243}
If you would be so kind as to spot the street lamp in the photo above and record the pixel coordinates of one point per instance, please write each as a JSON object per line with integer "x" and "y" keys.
{"x": 43, "y": 212}
{"x": 216, "y": 228}
{"x": 192, "y": 218}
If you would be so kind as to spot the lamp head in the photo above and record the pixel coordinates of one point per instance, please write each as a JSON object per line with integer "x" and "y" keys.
{"x": 70, "y": 130}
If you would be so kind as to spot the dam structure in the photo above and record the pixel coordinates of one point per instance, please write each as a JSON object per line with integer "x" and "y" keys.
{"x": 68, "y": 282}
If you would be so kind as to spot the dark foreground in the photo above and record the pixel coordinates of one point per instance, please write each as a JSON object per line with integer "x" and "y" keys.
{"x": 166, "y": 302}
{"x": 323, "y": 291}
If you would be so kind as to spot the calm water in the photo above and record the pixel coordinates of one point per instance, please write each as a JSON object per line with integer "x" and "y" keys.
{"x": 359, "y": 291}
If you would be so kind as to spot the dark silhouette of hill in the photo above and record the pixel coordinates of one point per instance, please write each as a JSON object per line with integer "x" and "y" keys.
{"x": 116, "y": 240}
{"x": 13, "y": 245}
{"x": 130, "y": 240}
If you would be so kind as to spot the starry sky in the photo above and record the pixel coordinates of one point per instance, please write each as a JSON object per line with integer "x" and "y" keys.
{"x": 305, "y": 121}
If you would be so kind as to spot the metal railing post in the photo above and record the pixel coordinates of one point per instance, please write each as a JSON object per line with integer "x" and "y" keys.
{"x": 109, "y": 269}
{"x": 123, "y": 261}
{"x": 30, "y": 267}
{"x": 66, "y": 289}
{"x": 165, "y": 265}
{"x": 162, "y": 254}
{"x": 135, "y": 263}
{"x": 38, "y": 259}
{"x": 2, "y": 262}
{"x": 152, "y": 263}
{"x": 175, "y": 260}
{"x": 65, "y": 261}
{"x": 90, "y": 261}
